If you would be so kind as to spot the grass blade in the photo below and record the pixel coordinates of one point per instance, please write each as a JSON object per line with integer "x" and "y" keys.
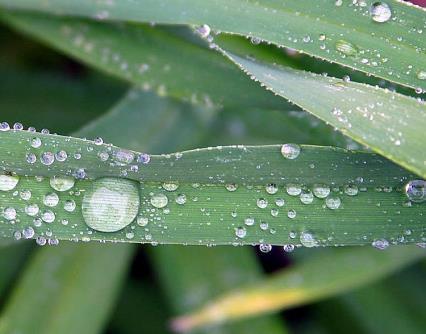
{"x": 390, "y": 123}
{"x": 340, "y": 271}
{"x": 146, "y": 57}
{"x": 346, "y": 34}
{"x": 211, "y": 193}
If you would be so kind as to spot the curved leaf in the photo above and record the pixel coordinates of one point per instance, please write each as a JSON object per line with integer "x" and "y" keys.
{"x": 345, "y": 33}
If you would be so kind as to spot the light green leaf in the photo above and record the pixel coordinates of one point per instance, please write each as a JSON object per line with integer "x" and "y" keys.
{"x": 346, "y": 34}
{"x": 321, "y": 276}
{"x": 146, "y": 57}
{"x": 389, "y": 123}
{"x": 222, "y": 195}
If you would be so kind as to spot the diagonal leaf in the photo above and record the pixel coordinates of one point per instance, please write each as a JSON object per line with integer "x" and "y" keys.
{"x": 222, "y": 195}
{"x": 390, "y": 123}
{"x": 146, "y": 57}
{"x": 319, "y": 277}
{"x": 338, "y": 31}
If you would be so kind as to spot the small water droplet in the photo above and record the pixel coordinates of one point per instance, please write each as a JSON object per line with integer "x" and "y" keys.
{"x": 170, "y": 186}
{"x": 249, "y": 221}
{"x": 380, "y": 244}
{"x": 321, "y": 190}
{"x": 421, "y": 75}
{"x": 142, "y": 221}
{"x": 32, "y": 209}
{"x": 380, "y": 12}
{"x": 333, "y": 202}
{"x": 293, "y": 189}
{"x": 279, "y": 202}
{"x": 159, "y": 200}
{"x": 240, "y": 232}
{"x": 415, "y": 190}
{"x": 271, "y": 189}
{"x": 9, "y": 213}
{"x": 47, "y": 158}
{"x": 265, "y": 248}
{"x": 261, "y": 203}
{"x": 307, "y": 239}
{"x": 306, "y": 197}
{"x": 28, "y": 232}
{"x": 69, "y": 205}
{"x": 51, "y": 199}
{"x": 231, "y": 187}
{"x": 8, "y": 182}
{"x": 291, "y": 214}
{"x": 290, "y": 151}
{"x": 25, "y": 195}
{"x": 351, "y": 190}
{"x": 62, "y": 183}
{"x": 345, "y": 47}
{"x": 181, "y": 199}
{"x": 288, "y": 248}
{"x": 36, "y": 142}
{"x": 48, "y": 216}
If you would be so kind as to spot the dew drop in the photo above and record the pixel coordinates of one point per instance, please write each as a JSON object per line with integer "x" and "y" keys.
{"x": 25, "y": 195}
{"x": 36, "y": 142}
{"x": 48, "y": 216}
{"x": 170, "y": 186}
{"x": 288, "y": 248}
{"x": 181, "y": 199}
{"x": 8, "y": 182}
{"x": 204, "y": 30}
{"x": 421, "y": 75}
{"x": 380, "y": 244}
{"x": 143, "y": 158}
{"x": 265, "y": 248}
{"x": 41, "y": 241}
{"x": 261, "y": 203}
{"x": 279, "y": 202}
{"x": 347, "y": 48}
{"x": 159, "y": 200}
{"x": 31, "y": 158}
{"x": 142, "y": 221}
{"x": 271, "y": 189}
{"x": 293, "y": 189}
{"x": 333, "y": 202}
{"x": 110, "y": 204}
{"x": 380, "y": 12}
{"x": 351, "y": 190}
{"x": 291, "y": 214}
{"x": 306, "y": 197}
{"x": 32, "y": 209}
{"x": 240, "y": 232}
{"x": 321, "y": 190}
{"x": 62, "y": 183}
{"x": 308, "y": 240}
{"x": 9, "y": 213}
{"x": 290, "y": 151}
{"x": 231, "y": 187}
{"x": 61, "y": 156}
{"x": 415, "y": 190}
{"x": 69, "y": 205}
{"x": 28, "y": 232}
{"x": 249, "y": 221}
{"x": 47, "y": 158}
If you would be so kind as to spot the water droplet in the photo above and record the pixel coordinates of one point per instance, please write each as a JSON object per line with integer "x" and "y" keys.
{"x": 98, "y": 141}
{"x": 347, "y": 48}
{"x": 261, "y": 203}
{"x": 288, "y": 248}
{"x": 41, "y": 241}
{"x": 271, "y": 189}
{"x": 249, "y": 221}
{"x": 322, "y": 37}
{"x": 17, "y": 235}
{"x": 31, "y": 209}
{"x": 25, "y": 195}
{"x": 28, "y": 232}
{"x": 123, "y": 157}
{"x": 9, "y": 213}
{"x": 170, "y": 186}
{"x": 231, "y": 187}
{"x": 61, "y": 156}
{"x": 31, "y": 158}
{"x": 333, "y": 202}
{"x": 421, "y": 75}
{"x": 240, "y": 232}
{"x": 380, "y": 244}
{"x": 142, "y": 221}
{"x": 48, "y": 216}
{"x": 290, "y": 151}
{"x": 321, "y": 190}
{"x": 306, "y": 197}
{"x": 47, "y": 158}
{"x": 291, "y": 214}
{"x": 143, "y": 158}
{"x": 308, "y": 240}
{"x": 351, "y": 190}
{"x": 79, "y": 174}
{"x": 416, "y": 191}
{"x": 181, "y": 199}
{"x": 110, "y": 204}
{"x": 18, "y": 126}
{"x": 264, "y": 226}
{"x": 338, "y": 3}
{"x": 36, "y": 142}
{"x": 159, "y": 200}
{"x": 265, "y": 248}
{"x": 279, "y": 202}
{"x": 8, "y": 182}
{"x": 204, "y": 30}
{"x": 380, "y": 12}
{"x": 69, "y": 205}
{"x": 51, "y": 199}
{"x": 62, "y": 183}
{"x": 293, "y": 189}
{"x": 4, "y": 126}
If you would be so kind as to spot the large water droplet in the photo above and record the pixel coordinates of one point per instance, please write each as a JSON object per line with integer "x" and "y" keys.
{"x": 380, "y": 12}
{"x": 8, "y": 182}
{"x": 416, "y": 191}
{"x": 110, "y": 204}
{"x": 62, "y": 183}
{"x": 290, "y": 151}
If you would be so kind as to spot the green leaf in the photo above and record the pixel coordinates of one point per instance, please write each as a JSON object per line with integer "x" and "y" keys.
{"x": 222, "y": 195}
{"x": 49, "y": 297}
{"x": 390, "y": 123}
{"x": 146, "y": 57}
{"x": 321, "y": 276}
{"x": 345, "y": 34}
